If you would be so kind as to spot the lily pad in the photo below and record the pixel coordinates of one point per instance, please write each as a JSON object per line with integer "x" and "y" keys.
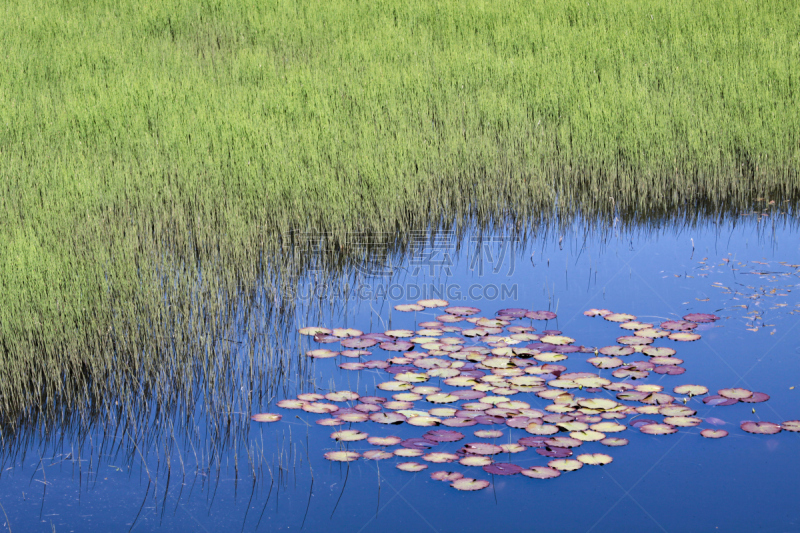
{"x": 446, "y": 476}
{"x": 719, "y": 400}
{"x": 761, "y": 428}
{"x": 757, "y": 397}
{"x": 433, "y": 302}
{"x": 658, "y": 429}
{"x": 678, "y": 325}
{"x": 619, "y": 317}
{"x": 791, "y": 425}
{"x": 701, "y": 318}
{"x": 614, "y": 441}
{"x": 565, "y": 465}
{"x": 342, "y": 456}
{"x": 475, "y": 460}
{"x": 616, "y": 351}
{"x": 314, "y": 330}
{"x": 714, "y": 433}
{"x": 488, "y": 434}
{"x": 502, "y": 469}
{"x": 411, "y": 466}
{"x": 408, "y": 452}
{"x": 377, "y": 455}
{"x": 469, "y": 484}
{"x": 691, "y": 390}
{"x": 735, "y": 394}
{"x": 342, "y": 396}
{"x": 384, "y": 441}
{"x": 408, "y": 307}
{"x": 684, "y": 337}
{"x": 291, "y": 404}
{"x": 440, "y": 457}
{"x": 387, "y": 418}
{"x": 588, "y": 435}
{"x": 266, "y": 417}
{"x": 658, "y": 351}
{"x": 597, "y": 459}
{"x": 462, "y": 311}
{"x": 349, "y": 435}
{"x": 322, "y": 353}
{"x": 443, "y": 435}
{"x": 540, "y": 472}
{"x": 482, "y": 448}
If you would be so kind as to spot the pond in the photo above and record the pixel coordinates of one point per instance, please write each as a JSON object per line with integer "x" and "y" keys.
{"x": 563, "y": 391}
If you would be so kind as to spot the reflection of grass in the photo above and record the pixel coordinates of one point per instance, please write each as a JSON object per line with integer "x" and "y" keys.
{"x": 137, "y": 136}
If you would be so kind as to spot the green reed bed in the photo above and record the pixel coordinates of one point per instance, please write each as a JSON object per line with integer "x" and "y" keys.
{"x": 147, "y": 145}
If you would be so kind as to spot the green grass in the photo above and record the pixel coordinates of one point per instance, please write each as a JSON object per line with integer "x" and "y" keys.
{"x": 142, "y": 140}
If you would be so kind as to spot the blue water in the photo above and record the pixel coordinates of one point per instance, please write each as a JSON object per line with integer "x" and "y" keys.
{"x": 679, "y": 482}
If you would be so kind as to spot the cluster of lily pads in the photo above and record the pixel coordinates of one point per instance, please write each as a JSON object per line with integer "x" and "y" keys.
{"x": 482, "y": 365}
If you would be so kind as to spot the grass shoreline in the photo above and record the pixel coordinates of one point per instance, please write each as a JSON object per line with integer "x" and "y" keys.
{"x": 136, "y": 138}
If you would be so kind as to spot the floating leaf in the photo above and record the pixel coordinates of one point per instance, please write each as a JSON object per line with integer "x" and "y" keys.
{"x": 614, "y": 441}
{"x": 395, "y": 386}
{"x": 619, "y": 317}
{"x": 408, "y": 452}
{"x": 440, "y": 457}
{"x": 673, "y": 361}
{"x": 266, "y": 417}
{"x": 387, "y": 418}
{"x": 469, "y": 484}
{"x": 352, "y": 417}
{"x": 757, "y": 397}
{"x": 633, "y": 340}
{"x": 446, "y": 476}
{"x": 597, "y": 459}
{"x": 651, "y": 333}
{"x": 462, "y": 311}
{"x": 475, "y": 460}
{"x": 684, "y": 337}
{"x": 608, "y": 427}
{"x": 488, "y": 433}
{"x": 678, "y": 325}
{"x": 588, "y": 435}
{"x": 565, "y": 465}
{"x": 348, "y": 435}
{"x": 682, "y": 421}
{"x": 701, "y": 318}
{"x": 714, "y": 433}
{"x": 423, "y": 421}
{"x": 342, "y": 396}
{"x": 320, "y": 408}
{"x": 432, "y": 303}
{"x": 313, "y": 330}
{"x": 540, "y": 472}
{"x": 670, "y": 370}
{"x": 291, "y": 404}
{"x": 411, "y": 467}
{"x": 616, "y": 351}
{"x": 330, "y": 422}
{"x": 563, "y": 442}
{"x": 322, "y": 353}
{"x": 342, "y": 456}
{"x": 540, "y": 315}
{"x": 558, "y": 340}
{"x": 658, "y": 351}
{"x": 791, "y": 425}
{"x": 443, "y": 435}
{"x": 502, "y": 469}
{"x": 377, "y": 455}
{"x": 676, "y": 410}
{"x": 658, "y": 429}
{"x": 691, "y": 390}
{"x": 719, "y": 400}
{"x": 597, "y": 312}
{"x": 735, "y": 394}
{"x": 384, "y": 441}
{"x": 513, "y": 448}
{"x": 408, "y": 307}
{"x": 482, "y": 448}
{"x": 541, "y": 429}
{"x": 598, "y": 403}
{"x": 761, "y": 428}
{"x": 605, "y": 362}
